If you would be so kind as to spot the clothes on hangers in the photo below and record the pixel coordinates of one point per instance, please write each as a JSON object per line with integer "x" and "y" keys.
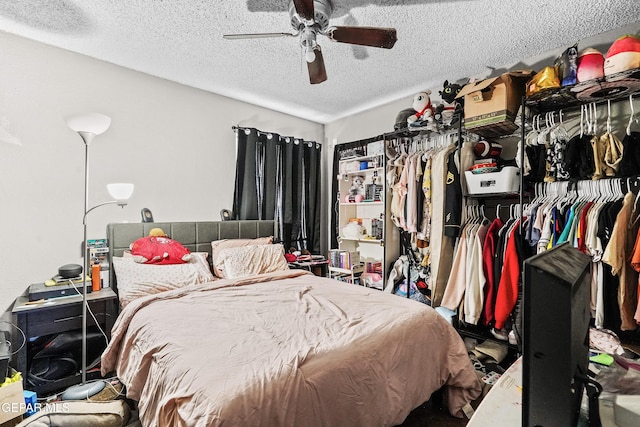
{"x": 441, "y": 249}
{"x": 453, "y": 199}
{"x": 426, "y": 199}
{"x": 603, "y": 225}
{"x": 630, "y": 161}
{"x": 616, "y": 254}
{"x": 489, "y": 249}
{"x": 487, "y": 258}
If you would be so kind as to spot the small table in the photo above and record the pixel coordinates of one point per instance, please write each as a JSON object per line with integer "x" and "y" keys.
{"x": 57, "y": 315}
{"x": 317, "y": 267}
{"x": 502, "y": 406}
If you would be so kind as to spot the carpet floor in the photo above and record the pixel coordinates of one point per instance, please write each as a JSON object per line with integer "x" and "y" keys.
{"x": 432, "y": 415}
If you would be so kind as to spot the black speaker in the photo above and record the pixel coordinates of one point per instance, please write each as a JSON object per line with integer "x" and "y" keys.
{"x": 226, "y": 215}
{"x": 556, "y": 295}
{"x": 147, "y": 216}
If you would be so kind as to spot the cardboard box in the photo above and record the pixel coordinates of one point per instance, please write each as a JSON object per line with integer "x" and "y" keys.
{"x": 11, "y": 402}
{"x": 491, "y": 105}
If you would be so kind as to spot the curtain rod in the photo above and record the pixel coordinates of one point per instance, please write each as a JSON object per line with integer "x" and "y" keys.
{"x": 269, "y": 134}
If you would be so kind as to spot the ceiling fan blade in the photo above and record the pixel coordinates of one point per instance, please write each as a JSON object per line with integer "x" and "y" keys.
{"x": 317, "y": 72}
{"x": 305, "y": 9}
{"x": 364, "y": 36}
{"x": 256, "y": 36}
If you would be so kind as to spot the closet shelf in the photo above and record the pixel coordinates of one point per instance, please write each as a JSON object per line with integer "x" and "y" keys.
{"x": 355, "y": 270}
{"x": 362, "y": 204}
{"x": 362, "y": 171}
{"x": 510, "y": 195}
{"x": 613, "y": 87}
{"x": 359, "y": 158}
{"x": 378, "y": 241}
{"x": 482, "y": 335}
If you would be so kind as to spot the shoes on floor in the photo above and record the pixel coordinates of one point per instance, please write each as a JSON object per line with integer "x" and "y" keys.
{"x": 500, "y": 334}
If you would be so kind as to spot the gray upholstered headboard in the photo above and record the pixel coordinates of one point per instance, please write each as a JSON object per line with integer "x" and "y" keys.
{"x": 195, "y": 236}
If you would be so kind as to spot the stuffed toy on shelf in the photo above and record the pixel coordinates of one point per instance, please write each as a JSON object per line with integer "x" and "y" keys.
{"x": 356, "y": 192}
{"x": 424, "y": 115}
{"x": 448, "y": 112}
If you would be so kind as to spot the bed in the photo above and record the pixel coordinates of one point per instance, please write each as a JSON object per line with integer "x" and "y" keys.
{"x": 282, "y": 348}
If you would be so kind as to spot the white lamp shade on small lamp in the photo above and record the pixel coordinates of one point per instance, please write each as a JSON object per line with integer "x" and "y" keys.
{"x": 95, "y": 123}
{"x": 120, "y": 191}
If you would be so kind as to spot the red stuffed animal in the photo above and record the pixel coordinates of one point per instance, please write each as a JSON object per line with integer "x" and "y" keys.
{"x": 157, "y": 248}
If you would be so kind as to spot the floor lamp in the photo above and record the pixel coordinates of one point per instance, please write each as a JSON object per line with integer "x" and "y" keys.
{"x": 88, "y": 126}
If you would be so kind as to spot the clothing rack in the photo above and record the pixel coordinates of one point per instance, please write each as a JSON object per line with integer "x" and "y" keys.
{"x": 584, "y": 187}
{"x": 405, "y": 133}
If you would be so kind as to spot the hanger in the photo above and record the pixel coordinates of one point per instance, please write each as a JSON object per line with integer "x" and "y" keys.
{"x": 608, "y": 116}
{"x": 615, "y": 187}
{"x": 631, "y": 114}
{"x": 588, "y": 119}
{"x": 543, "y": 134}
{"x": 635, "y": 211}
{"x": 483, "y": 217}
{"x": 594, "y": 118}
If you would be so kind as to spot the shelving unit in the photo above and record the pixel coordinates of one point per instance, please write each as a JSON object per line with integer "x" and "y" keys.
{"x": 377, "y": 245}
{"x": 569, "y": 99}
{"x": 349, "y": 275}
{"x": 509, "y": 141}
{"x": 616, "y": 88}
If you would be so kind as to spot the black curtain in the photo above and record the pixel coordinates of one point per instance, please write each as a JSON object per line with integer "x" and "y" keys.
{"x": 278, "y": 178}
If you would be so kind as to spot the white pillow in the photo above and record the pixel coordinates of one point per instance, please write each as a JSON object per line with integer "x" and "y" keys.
{"x": 137, "y": 280}
{"x": 250, "y": 260}
{"x": 219, "y": 245}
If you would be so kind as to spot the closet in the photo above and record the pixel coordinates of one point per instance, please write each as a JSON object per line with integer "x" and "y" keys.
{"x": 574, "y": 177}
{"x": 585, "y": 179}
{"x": 579, "y": 166}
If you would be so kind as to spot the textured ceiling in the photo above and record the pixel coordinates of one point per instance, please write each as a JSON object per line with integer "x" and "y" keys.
{"x": 181, "y": 41}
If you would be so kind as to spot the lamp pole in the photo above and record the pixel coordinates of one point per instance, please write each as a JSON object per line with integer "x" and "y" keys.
{"x": 88, "y": 126}
{"x": 87, "y": 137}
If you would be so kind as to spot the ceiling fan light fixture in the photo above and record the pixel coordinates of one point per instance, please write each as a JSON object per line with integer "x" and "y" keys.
{"x": 310, "y": 18}
{"x": 309, "y": 43}
{"x": 309, "y": 55}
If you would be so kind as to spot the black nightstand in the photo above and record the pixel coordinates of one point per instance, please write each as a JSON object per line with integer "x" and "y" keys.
{"x": 54, "y": 317}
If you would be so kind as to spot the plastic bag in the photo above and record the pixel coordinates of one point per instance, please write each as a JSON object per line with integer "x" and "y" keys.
{"x": 618, "y": 379}
{"x": 414, "y": 293}
{"x": 567, "y": 67}
{"x": 547, "y": 78}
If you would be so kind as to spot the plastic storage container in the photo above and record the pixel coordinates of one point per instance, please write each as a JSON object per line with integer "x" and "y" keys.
{"x": 505, "y": 181}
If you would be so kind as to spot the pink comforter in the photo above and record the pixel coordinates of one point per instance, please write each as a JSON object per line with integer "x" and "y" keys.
{"x": 285, "y": 349}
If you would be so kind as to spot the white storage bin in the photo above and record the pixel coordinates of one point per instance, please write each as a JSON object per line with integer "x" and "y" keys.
{"x": 505, "y": 181}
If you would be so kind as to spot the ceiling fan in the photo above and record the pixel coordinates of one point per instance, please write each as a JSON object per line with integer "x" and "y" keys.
{"x": 310, "y": 18}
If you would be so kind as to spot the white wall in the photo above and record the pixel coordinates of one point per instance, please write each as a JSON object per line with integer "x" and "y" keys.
{"x": 174, "y": 142}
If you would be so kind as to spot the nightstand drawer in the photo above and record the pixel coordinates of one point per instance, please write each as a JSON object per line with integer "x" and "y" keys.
{"x": 64, "y": 319}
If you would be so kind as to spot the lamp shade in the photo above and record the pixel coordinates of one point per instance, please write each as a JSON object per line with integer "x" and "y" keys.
{"x": 120, "y": 191}
{"x": 95, "y": 123}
